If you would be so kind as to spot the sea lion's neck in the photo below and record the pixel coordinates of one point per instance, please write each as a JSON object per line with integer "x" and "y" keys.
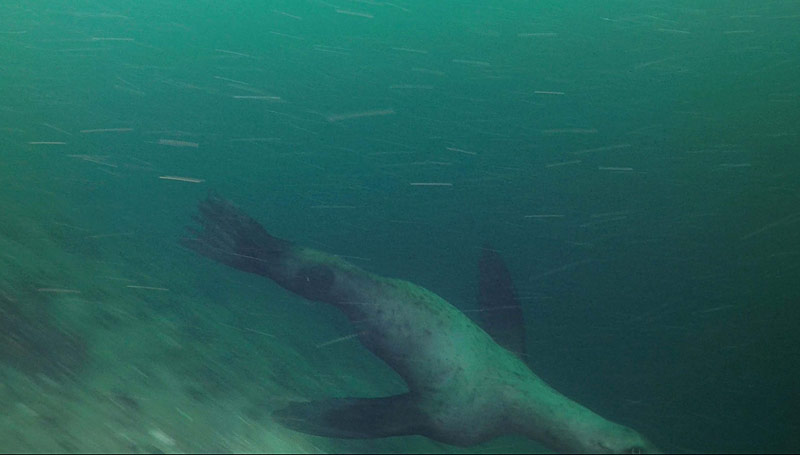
{"x": 539, "y": 412}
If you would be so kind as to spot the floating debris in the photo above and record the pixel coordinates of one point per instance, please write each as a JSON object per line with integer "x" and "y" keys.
{"x": 107, "y": 130}
{"x": 257, "y": 97}
{"x": 354, "y": 13}
{"x": 176, "y": 143}
{"x": 602, "y": 149}
{"x": 59, "y": 290}
{"x": 615, "y": 169}
{"x": 570, "y": 131}
{"x": 563, "y": 163}
{"x": 407, "y": 49}
{"x": 338, "y": 340}
{"x": 102, "y": 38}
{"x": 453, "y": 149}
{"x": 149, "y": 288}
{"x": 181, "y": 179}
{"x": 471, "y": 62}
{"x": 353, "y": 115}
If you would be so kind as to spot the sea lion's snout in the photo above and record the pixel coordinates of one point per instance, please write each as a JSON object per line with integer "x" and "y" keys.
{"x": 622, "y": 440}
{"x": 643, "y": 447}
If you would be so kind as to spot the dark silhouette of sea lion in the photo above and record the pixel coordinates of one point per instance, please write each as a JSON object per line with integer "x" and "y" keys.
{"x": 464, "y": 387}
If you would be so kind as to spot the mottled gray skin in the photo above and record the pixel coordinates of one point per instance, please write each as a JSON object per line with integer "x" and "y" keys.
{"x": 464, "y": 388}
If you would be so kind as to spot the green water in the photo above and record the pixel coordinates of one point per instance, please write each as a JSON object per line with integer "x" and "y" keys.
{"x": 636, "y": 163}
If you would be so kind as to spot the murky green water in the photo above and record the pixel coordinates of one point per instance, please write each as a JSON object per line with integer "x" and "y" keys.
{"x": 636, "y": 163}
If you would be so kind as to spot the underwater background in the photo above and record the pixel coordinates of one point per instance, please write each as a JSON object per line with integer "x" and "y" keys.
{"x": 636, "y": 163}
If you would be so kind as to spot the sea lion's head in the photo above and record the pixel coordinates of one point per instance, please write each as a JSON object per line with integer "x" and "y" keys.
{"x": 624, "y": 440}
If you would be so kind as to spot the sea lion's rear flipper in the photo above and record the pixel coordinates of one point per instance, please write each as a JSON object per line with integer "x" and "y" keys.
{"x": 501, "y": 314}
{"x": 354, "y": 418}
{"x": 230, "y": 236}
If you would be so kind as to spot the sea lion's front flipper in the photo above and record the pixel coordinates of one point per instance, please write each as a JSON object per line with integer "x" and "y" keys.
{"x": 501, "y": 314}
{"x": 354, "y": 418}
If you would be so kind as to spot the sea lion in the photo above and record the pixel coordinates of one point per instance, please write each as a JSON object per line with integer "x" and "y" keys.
{"x": 464, "y": 388}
